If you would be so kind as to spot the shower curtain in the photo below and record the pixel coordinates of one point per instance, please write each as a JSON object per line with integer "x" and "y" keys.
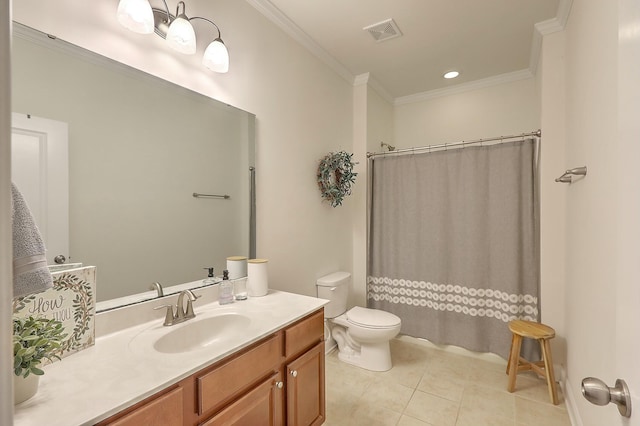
{"x": 454, "y": 243}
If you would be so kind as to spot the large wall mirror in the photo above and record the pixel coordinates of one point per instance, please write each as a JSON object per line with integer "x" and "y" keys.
{"x": 138, "y": 149}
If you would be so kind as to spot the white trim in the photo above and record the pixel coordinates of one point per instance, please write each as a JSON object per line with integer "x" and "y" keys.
{"x": 6, "y": 248}
{"x": 271, "y": 12}
{"x": 564, "y": 9}
{"x": 570, "y": 402}
{"x": 465, "y": 87}
{"x": 547, "y": 27}
{"x": 288, "y": 26}
{"x": 379, "y": 88}
{"x": 361, "y": 79}
{"x": 367, "y": 79}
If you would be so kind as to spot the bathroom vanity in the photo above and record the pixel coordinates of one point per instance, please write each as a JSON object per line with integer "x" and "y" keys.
{"x": 259, "y": 361}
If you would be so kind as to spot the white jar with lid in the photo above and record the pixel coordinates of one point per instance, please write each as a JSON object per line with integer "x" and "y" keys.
{"x": 257, "y": 281}
{"x": 237, "y": 267}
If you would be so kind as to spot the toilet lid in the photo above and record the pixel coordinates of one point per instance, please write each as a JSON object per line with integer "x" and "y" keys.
{"x": 372, "y": 318}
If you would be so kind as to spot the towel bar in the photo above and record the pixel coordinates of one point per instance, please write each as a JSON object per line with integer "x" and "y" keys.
{"x": 197, "y": 195}
{"x": 567, "y": 177}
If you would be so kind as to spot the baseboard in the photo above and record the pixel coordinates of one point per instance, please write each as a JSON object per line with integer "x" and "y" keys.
{"x": 329, "y": 345}
{"x": 570, "y": 401}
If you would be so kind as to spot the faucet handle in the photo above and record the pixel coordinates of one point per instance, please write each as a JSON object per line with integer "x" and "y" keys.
{"x": 169, "y": 317}
{"x": 189, "y": 313}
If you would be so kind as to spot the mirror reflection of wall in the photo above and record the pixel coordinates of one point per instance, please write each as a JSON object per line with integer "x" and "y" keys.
{"x": 139, "y": 147}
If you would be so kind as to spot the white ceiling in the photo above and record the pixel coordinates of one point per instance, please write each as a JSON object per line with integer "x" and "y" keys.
{"x": 479, "y": 38}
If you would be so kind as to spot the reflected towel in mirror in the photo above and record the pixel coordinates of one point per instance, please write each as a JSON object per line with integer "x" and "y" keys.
{"x": 30, "y": 272}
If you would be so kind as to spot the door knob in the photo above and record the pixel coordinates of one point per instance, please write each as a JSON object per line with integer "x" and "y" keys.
{"x": 279, "y": 385}
{"x": 597, "y": 392}
{"x": 294, "y": 373}
{"x": 60, "y": 259}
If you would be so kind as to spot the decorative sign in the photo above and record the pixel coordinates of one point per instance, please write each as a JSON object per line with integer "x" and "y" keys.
{"x": 70, "y": 301}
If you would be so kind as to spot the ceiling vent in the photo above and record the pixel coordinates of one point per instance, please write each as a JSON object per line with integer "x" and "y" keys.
{"x": 384, "y": 30}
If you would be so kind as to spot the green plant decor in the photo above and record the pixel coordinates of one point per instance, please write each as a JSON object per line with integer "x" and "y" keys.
{"x": 34, "y": 340}
{"x": 335, "y": 177}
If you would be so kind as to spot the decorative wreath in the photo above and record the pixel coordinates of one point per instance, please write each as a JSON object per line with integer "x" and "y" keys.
{"x": 335, "y": 177}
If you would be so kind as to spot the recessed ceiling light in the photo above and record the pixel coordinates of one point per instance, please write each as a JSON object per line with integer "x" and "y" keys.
{"x": 451, "y": 74}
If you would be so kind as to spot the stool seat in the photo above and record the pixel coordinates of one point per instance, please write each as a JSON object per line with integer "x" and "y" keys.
{"x": 532, "y": 330}
{"x": 542, "y": 333}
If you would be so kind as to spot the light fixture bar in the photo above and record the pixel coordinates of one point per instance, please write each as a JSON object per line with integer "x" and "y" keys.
{"x": 161, "y": 23}
{"x": 177, "y": 30}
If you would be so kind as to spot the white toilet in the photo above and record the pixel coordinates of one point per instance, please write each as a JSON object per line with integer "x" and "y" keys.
{"x": 362, "y": 334}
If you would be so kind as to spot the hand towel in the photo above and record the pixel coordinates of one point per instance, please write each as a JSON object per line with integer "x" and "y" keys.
{"x": 30, "y": 272}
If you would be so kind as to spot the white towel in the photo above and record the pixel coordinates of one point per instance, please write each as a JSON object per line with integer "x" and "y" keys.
{"x": 30, "y": 272}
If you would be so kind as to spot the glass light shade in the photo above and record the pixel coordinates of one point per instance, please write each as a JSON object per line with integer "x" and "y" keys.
{"x": 216, "y": 57}
{"x": 136, "y": 15}
{"x": 181, "y": 36}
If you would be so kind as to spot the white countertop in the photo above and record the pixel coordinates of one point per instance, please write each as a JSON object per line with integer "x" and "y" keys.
{"x": 122, "y": 368}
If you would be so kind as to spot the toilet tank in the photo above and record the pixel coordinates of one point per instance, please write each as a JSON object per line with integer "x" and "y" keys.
{"x": 335, "y": 288}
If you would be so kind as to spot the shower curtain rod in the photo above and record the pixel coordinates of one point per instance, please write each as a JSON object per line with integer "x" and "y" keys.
{"x": 537, "y": 133}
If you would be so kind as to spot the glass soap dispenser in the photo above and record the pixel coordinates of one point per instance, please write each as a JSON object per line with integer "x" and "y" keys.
{"x": 225, "y": 294}
{"x": 210, "y": 278}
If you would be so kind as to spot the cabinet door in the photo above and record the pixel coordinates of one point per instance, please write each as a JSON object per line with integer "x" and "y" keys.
{"x": 305, "y": 388}
{"x": 260, "y": 406}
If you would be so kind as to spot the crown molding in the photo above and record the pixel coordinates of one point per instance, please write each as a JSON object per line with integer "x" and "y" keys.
{"x": 465, "y": 87}
{"x": 380, "y": 90}
{"x": 543, "y": 28}
{"x": 361, "y": 79}
{"x": 288, "y": 26}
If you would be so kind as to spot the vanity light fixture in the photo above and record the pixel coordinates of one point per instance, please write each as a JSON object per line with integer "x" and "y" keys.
{"x": 451, "y": 74}
{"x": 138, "y": 16}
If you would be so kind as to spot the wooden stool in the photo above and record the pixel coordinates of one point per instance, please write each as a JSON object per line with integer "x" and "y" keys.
{"x": 542, "y": 333}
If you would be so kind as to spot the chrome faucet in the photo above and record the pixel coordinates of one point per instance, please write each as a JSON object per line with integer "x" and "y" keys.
{"x": 181, "y": 314}
{"x": 157, "y": 287}
{"x": 188, "y": 313}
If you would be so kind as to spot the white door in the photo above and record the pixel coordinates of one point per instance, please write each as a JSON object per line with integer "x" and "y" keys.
{"x": 627, "y": 363}
{"x": 39, "y": 159}
{"x": 624, "y": 360}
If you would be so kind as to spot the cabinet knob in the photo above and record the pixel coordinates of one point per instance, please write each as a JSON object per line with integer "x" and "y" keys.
{"x": 294, "y": 373}
{"x": 279, "y": 385}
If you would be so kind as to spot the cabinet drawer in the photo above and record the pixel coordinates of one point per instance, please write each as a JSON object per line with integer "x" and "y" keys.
{"x": 228, "y": 380}
{"x": 164, "y": 410}
{"x": 304, "y": 334}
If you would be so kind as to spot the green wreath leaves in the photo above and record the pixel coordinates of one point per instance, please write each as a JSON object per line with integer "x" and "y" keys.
{"x": 335, "y": 177}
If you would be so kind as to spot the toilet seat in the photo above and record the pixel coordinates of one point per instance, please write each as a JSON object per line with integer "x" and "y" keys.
{"x": 372, "y": 318}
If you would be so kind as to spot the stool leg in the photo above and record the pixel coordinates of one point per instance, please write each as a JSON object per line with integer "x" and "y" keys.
{"x": 513, "y": 336}
{"x": 514, "y": 358}
{"x": 548, "y": 366}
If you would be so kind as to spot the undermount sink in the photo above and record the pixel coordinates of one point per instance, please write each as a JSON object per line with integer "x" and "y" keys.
{"x": 201, "y": 332}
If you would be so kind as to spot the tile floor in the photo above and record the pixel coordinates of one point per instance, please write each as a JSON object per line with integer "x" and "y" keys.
{"x": 429, "y": 386}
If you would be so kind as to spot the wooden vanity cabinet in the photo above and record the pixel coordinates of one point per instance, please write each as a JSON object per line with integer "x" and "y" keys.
{"x": 275, "y": 382}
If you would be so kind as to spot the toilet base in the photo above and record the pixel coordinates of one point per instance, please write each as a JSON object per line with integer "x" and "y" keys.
{"x": 371, "y": 356}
